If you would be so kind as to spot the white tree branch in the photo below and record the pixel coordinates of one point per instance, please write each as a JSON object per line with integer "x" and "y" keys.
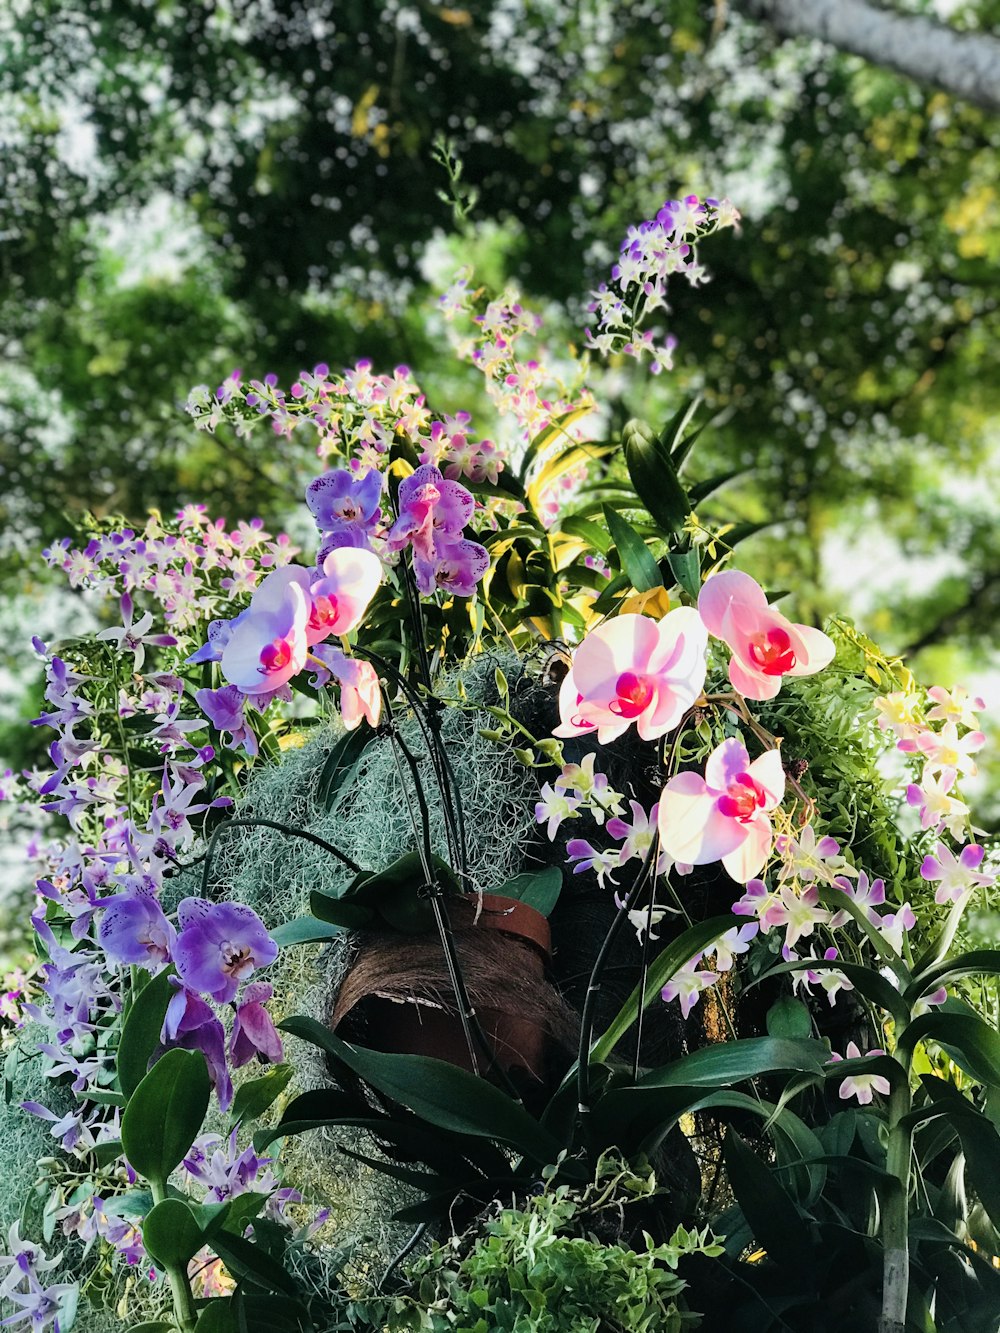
{"x": 966, "y": 64}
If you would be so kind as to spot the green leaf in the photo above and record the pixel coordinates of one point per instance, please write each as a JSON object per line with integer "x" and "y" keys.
{"x": 343, "y": 913}
{"x": 733, "y": 1061}
{"x": 788, "y": 1017}
{"x": 133, "y": 1203}
{"x": 774, "y": 1219}
{"x": 165, "y": 1114}
{"x": 636, "y": 558}
{"x": 701, "y": 490}
{"x": 329, "y": 1108}
{"x": 972, "y": 1044}
{"x": 654, "y": 476}
{"x": 963, "y": 965}
{"x": 685, "y": 566}
{"x": 153, "y": 1326}
{"x": 438, "y": 1092}
{"x": 341, "y": 764}
{"x": 218, "y": 1316}
{"x": 740, "y": 532}
{"x": 257, "y": 1094}
{"x": 979, "y": 1138}
{"x": 305, "y": 930}
{"x": 540, "y": 889}
{"x": 557, "y": 429}
{"x": 663, "y": 967}
{"x": 252, "y": 1264}
{"x": 591, "y": 533}
{"x": 171, "y": 1234}
{"x": 141, "y": 1031}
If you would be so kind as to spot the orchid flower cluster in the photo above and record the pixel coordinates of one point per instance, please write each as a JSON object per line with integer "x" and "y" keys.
{"x": 634, "y": 669}
{"x": 651, "y": 253}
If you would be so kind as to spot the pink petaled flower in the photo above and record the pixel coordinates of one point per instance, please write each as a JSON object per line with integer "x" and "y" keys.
{"x": 828, "y": 979}
{"x": 634, "y": 669}
{"x": 957, "y": 874}
{"x": 338, "y": 600}
{"x": 765, "y": 645}
{"x": 134, "y": 638}
{"x": 723, "y": 816}
{"x": 956, "y": 706}
{"x": 937, "y": 809}
{"x": 893, "y": 925}
{"x": 945, "y": 751}
{"x": 590, "y": 788}
{"x": 866, "y": 894}
{"x": 900, "y": 710}
{"x": 798, "y": 913}
{"x": 253, "y": 1031}
{"x": 687, "y": 984}
{"x": 809, "y": 858}
{"x": 590, "y": 858}
{"x": 733, "y": 942}
{"x": 269, "y": 646}
{"x": 554, "y": 807}
{"x": 638, "y": 836}
{"x": 360, "y": 689}
{"x": 861, "y": 1085}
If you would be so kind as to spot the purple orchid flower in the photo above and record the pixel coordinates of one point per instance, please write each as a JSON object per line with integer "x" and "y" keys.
{"x": 224, "y": 709}
{"x": 345, "y": 507}
{"x": 455, "y": 566}
{"x": 134, "y": 930}
{"x": 219, "y": 634}
{"x": 192, "y": 1025}
{"x": 429, "y": 507}
{"x": 253, "y": 1031}
{"x": 219, "y": 946}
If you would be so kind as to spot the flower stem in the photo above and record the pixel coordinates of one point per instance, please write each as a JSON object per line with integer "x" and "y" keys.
{"x": 180, "y": 1288}
{"x": 895, "y": 1214}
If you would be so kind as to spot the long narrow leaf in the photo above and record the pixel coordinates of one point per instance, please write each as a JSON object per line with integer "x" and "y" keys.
{"x": 439, "y": 1093}
{"x": 667, "y": 962}
{"x": 635, "y": 556}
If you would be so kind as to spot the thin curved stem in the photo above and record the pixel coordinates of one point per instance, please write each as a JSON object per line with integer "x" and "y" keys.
{"x": 597, "y": 977}
{"x": 281, "y": 828}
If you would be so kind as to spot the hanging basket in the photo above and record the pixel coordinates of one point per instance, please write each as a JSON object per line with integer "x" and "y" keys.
{"x": 397, "y": 995}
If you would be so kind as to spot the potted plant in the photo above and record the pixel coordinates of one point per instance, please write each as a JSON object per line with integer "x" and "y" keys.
{"x": 852, "y": 1177}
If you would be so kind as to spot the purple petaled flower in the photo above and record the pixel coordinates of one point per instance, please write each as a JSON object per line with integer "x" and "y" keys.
{"x": 219, "y": 634}
{"x": 253, "y": 1031}
{"x": 429, "y": 507}
{"x": 134, "y": 931}
{"x": 224, "y": 709}
{"x": 192, "y": 1025}
{"x": 346, "y": 508}
{"x": 219, "y": 946}
{"x": 456, "y": 566}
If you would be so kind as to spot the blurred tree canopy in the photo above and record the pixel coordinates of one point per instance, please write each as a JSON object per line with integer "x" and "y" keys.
{"x": 195, "y": 186}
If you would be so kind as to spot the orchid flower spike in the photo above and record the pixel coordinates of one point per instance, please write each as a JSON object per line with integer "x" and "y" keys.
{"x": 764, "y": 644}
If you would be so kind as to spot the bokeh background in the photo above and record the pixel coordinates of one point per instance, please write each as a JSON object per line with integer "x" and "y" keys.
{"x": 193, "y": 186}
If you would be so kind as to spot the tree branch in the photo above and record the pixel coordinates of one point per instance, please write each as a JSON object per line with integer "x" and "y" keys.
{"x": 966, "y": 64}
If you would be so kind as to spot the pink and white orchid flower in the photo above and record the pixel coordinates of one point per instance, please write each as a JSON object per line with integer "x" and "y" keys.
{"x": 723, "y": 816}
{"x": 339, "y": 600}
{"x": 634, "y": 669}
{"x": 764, "y": 644}
{"x": 268, "y": 647}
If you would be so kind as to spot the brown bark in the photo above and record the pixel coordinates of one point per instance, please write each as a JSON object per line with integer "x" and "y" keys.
{"x": 966, "y": 64}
